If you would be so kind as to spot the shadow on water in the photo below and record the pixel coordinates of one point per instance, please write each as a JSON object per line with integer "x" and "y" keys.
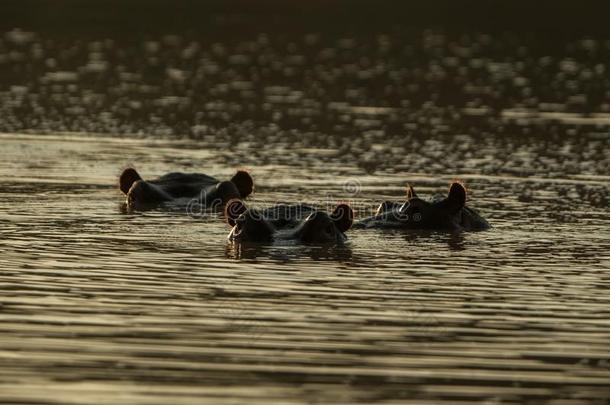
{"x": 455, "y": 240}
{"x": 288, "y": 252}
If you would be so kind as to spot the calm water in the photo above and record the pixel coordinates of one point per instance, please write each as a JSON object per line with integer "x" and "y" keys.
{"x": 98, "y": 306}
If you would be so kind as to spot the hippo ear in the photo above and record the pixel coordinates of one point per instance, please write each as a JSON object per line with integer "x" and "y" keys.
{"x": 410, "y": 192}
{"x": 128, "y": 177}
{"x": 233, "y": 210}
{"x": 457, "y": 197}
{"x": 343, "y": 216}
{"x": 244, "y": 183}
{"x": 226, "y": 191}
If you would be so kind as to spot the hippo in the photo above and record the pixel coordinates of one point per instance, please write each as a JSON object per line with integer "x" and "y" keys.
{"x": 450, "y": 213}
{"x": 142, "y": 194}
{"x": 299, "y": 222}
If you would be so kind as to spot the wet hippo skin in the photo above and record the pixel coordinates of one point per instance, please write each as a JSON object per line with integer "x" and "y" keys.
{"x": 297, "y": 222}
{"x": 142, "y": 194}
{"x": 450, "y": 213}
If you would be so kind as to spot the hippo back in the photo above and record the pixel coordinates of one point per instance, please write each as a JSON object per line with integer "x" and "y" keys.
{"x": 184, "y": 184}
{"x": 287, "y": 215}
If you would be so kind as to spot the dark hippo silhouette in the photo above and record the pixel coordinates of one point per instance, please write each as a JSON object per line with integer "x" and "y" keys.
{"x": 143, "y": 194}
{"x": 288, "y": 222}
{"x": 449, "y": 213}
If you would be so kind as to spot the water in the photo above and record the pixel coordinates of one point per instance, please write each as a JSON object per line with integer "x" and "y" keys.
{"x": 99, "y": 306}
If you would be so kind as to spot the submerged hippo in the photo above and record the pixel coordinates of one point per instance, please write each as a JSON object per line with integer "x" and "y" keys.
{"x": 143, "y": 194}
{"x": 288, "y": 222}
{"x": 448, "y": 213}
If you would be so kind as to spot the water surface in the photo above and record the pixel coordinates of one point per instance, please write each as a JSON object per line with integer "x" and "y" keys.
{"x": 99, "y": 306}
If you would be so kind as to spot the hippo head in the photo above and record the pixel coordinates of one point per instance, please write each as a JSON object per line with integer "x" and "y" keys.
{"x": 247, "y": 224}
{"x": 127, "y": 178}
{"x": 319, "y": 227}
{"x": 416, "y": 213}
{"x": 140, "y": 194}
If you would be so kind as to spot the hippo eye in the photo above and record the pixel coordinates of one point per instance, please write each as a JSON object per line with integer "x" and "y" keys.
{"x": 416, "y": 215}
